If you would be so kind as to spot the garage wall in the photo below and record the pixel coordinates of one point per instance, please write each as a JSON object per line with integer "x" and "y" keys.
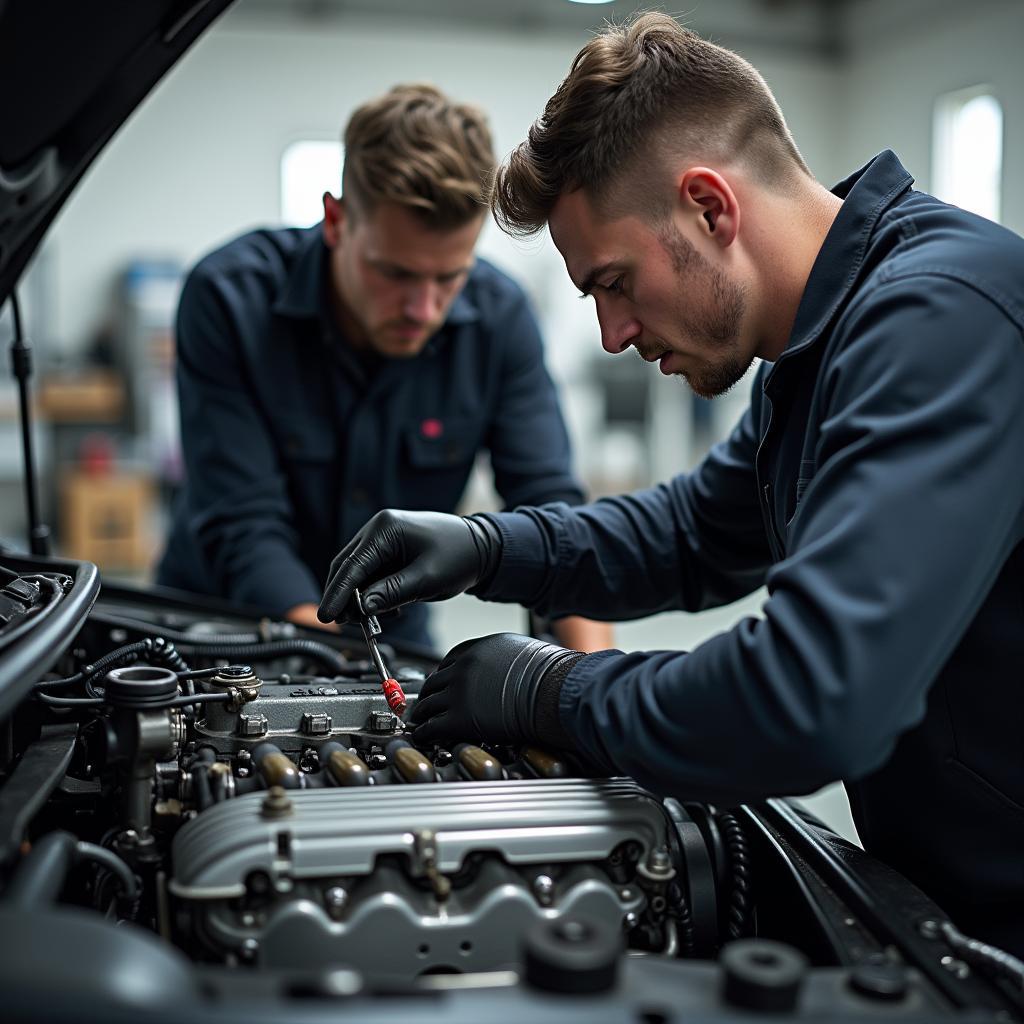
{"x": 901, "y": 56}
{"x": 199, "y": 162}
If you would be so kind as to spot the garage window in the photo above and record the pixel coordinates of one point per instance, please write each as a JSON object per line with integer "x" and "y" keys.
{"x": 967, "y": 158}
{"x": 309, "y": 168}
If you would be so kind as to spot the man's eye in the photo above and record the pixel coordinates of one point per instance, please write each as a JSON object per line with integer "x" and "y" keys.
{"x": 615, "y": 287}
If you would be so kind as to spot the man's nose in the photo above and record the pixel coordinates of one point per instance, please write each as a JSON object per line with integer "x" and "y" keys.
{"x": 422, "y": 302}
{"x": 617, "y": 330}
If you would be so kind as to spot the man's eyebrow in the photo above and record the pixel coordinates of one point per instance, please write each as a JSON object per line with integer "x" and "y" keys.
{"x": 382, "y": 264}
{"x": 591, "y": 279}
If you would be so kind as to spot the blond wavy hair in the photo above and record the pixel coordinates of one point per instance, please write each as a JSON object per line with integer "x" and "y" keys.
{"x": 415, "y": 147}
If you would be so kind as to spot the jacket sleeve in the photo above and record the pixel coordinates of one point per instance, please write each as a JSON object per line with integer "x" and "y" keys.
{"x": 695, "y": 542}
{"x": 528, "y": 443}
{"x": 915, "y": 506}
{"x": 239, "y": 510}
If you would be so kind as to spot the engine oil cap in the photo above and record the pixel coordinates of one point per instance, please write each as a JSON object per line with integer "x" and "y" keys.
{"x": 573, "y": 955}
{"x": 762, "y": 975}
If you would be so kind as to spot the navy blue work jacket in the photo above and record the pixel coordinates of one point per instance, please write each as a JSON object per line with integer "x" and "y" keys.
{"x": 290, "y": 444}
{"x": 876, "y": 486}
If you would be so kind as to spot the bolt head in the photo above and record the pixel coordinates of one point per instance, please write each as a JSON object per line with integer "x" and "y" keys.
{"x": 630, "y": 921}
{"x": 276, "y": 803}
{"x": 956, "y": 967}
{"x": 544, "y": 888}
{"x": 336, "y": 899}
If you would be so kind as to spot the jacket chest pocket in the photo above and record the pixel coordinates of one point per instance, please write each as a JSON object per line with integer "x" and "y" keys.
{"x": 437, "y": 445}
{"x": 808, "y": 468}
{"x": 795, "y": 493}
{"x": 439, "y": 458}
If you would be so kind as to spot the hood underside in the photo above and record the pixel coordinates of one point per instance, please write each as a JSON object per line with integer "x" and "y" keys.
{"x": 70, "y": 75}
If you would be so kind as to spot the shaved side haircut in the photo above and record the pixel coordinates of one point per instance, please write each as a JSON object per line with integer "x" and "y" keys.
{"x": 637, "y": 95}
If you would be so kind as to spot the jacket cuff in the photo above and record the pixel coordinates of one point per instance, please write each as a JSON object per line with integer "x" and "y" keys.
{"x": 521, "y": 568}
{"x": 576, "y": 681}
{"x": 547, "y": 725}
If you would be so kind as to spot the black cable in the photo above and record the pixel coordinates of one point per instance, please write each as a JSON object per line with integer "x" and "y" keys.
{"x": 95, "y": 702}
{"x": 680, "y": 910}
{"x": 200, "y": 673}
{"x": 312, "y": 649}
{"x": 198, "y": 698}
{"x": 175, "y": 635}
{"x": 130, "y": 653}
{"x": 164, "y": 653}
{"x": 113, "y": 863}
{"x": 69, "y": 702}
{"x": 739, "y": 862}
{"x": 160, "y": 651}
{"x": 242, "y": 646}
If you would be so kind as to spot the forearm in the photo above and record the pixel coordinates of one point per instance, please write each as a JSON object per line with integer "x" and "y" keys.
{"x": 305, "y": 615}
{"x": 579, "y": 634}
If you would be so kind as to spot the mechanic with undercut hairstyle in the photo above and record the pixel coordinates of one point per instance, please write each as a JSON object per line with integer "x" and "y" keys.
{"x": 327, "y": 373}
{"x": 875, "y": 484}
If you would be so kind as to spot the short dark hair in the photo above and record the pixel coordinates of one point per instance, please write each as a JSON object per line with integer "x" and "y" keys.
{"x": 635, "y": 91}
{"x": 416, "y": 147}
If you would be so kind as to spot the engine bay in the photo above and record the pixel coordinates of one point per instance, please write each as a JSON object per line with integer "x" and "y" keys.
{"x": 231, "y": 806}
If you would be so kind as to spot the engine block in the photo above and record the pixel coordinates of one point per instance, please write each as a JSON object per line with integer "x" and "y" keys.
{"x": 401, "y": 880}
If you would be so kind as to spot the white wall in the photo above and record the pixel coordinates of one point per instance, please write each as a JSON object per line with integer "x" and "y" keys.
{"x": 199, "y": 161}
{"x": 904, "y": 55}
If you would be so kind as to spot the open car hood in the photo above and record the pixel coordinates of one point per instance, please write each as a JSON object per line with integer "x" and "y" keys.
{"x": 70, "y": 75}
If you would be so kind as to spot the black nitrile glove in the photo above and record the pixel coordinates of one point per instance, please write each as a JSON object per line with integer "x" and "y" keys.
{"x": 399, "y": 557}
{"x": 488, "y": 689}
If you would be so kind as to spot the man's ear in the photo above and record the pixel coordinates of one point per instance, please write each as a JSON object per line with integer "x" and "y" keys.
{"x": 334, "y": 220}
{"x": 706, "y": 197}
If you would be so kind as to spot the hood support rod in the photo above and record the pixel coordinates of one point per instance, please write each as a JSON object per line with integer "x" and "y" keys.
{"x": 21, "y": 367}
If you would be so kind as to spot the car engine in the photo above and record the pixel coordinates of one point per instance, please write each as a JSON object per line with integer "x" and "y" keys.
{"x": 240, "y": 790}
{"x": 286, "y": 819}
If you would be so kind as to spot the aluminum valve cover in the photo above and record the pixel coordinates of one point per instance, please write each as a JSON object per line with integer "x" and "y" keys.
{"x": 337, "y": 832}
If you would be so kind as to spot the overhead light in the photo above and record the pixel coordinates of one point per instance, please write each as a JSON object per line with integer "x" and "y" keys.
{"x": 591, "y": 1}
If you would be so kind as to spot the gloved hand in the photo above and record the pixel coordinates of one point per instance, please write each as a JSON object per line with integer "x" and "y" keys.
{"x": 398, "y": 557}
{"x": 488, "y": 689}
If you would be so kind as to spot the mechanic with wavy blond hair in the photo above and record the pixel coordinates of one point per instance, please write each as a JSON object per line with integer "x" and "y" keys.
{"x": 326, "y": 373}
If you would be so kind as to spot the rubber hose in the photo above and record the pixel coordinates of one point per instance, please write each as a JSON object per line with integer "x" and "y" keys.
{"x": 312, "y": 649}
{"x": 238, "y": 645}
{"x": 175, "y": 636}
{"x": 40, "y": 877}
{"x": 983, "y": 954}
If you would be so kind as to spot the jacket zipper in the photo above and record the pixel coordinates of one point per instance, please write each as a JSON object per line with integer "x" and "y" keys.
{"x": 769, "y": 517}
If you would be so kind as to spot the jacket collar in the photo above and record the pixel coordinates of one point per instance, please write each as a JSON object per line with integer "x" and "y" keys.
{"x": 866, "y": 195}
{"x": 303, "y": 294}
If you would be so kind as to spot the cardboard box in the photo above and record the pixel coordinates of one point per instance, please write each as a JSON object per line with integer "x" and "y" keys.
{"x": 107, "y": 519}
